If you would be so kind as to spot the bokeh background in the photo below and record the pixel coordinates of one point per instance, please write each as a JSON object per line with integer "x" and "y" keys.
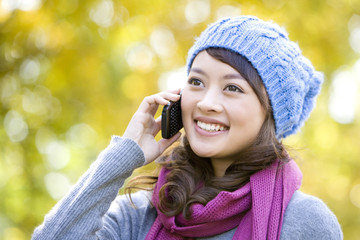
{"x": 73, "y": 72}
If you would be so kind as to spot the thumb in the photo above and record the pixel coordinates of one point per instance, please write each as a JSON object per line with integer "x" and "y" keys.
{"x": 165, "y": 143}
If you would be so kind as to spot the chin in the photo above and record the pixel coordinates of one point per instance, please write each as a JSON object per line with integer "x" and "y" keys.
{"x": 202, "y": 152}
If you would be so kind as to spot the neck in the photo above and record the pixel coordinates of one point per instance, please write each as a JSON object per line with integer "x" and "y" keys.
{"x": 220, "y": 166}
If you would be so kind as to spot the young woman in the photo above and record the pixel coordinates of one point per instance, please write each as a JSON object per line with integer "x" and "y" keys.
{"x": 230, "y": 178}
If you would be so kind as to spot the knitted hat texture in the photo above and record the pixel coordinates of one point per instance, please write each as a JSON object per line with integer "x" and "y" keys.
{"x": 289, "y": 78}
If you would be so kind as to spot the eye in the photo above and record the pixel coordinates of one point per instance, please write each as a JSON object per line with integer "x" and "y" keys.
{"x": 195, "y": 82}
{"x": 233, "y": 88}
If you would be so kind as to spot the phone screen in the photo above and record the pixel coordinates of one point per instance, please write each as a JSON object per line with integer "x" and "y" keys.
{"x": 171, "y": 121}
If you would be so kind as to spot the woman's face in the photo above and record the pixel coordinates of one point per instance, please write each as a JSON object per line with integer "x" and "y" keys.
{"x": 220, "y": 111}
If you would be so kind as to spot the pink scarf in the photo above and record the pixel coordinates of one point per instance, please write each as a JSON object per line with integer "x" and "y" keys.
{"x": 257, "y": 209}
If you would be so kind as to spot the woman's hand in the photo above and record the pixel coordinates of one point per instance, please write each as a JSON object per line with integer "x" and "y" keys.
{"x": 143, "y": 127}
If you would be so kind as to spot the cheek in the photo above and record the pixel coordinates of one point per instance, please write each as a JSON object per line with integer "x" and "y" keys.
{"x": 188, "y": 106}
{"x": 258, "y": 113}
{"x": 187, "y": 100}
{"x": 249, "y": 115}
{"x": 185, "y": 107}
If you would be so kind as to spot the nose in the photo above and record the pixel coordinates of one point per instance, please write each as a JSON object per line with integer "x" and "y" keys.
{"x": 210, "y": 102}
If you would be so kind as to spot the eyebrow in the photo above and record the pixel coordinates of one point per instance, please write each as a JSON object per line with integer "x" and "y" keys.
{"x": 198, "y": 70}
{"x": 227, "y": 76}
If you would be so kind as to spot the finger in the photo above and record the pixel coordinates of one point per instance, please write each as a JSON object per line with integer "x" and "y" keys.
{"x": 153, "y": 109}
{"x": 151, "y": 103}
{"x": 171, "y": 96}
{"x": 174, "y": 90}
{"x": 160, "y": 99}
{"x": 163, "y": 98}
{"x": 165, "y": 143}
{"x": 157, "y": 126}
{"x": 146, "y": 104}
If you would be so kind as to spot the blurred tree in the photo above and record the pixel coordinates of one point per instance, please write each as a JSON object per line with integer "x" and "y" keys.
{"x": 72, "y": 73}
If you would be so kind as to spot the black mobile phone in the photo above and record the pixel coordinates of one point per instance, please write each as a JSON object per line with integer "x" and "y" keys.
{"x": 171, "y": 121}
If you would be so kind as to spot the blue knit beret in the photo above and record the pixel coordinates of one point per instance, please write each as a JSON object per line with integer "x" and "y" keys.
{"x": 290, "y": 80}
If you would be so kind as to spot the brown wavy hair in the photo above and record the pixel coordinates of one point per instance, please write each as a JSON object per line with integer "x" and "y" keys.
{"x": 191, "y": 178}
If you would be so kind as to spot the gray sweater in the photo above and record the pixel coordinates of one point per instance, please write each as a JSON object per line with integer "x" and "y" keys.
{"x": 93, "y": 210}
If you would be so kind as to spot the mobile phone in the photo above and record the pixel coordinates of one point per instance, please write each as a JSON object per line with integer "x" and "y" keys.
{"x": 171, "y": 121}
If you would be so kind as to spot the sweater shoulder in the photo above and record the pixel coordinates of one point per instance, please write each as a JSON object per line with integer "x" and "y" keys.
{"x": 308, "y": 217}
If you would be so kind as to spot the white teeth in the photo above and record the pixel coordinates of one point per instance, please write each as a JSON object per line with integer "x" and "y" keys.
{"x": 211, "y": 127}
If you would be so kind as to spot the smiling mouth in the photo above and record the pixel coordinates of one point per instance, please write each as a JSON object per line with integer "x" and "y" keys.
{"x": 211, "y": 127}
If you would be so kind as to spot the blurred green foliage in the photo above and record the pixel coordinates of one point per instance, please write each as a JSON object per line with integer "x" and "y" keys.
{"x": 73, "y": 72}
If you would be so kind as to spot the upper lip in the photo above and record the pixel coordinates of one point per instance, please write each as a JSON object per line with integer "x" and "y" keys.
{"x": 210, "y": 121}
